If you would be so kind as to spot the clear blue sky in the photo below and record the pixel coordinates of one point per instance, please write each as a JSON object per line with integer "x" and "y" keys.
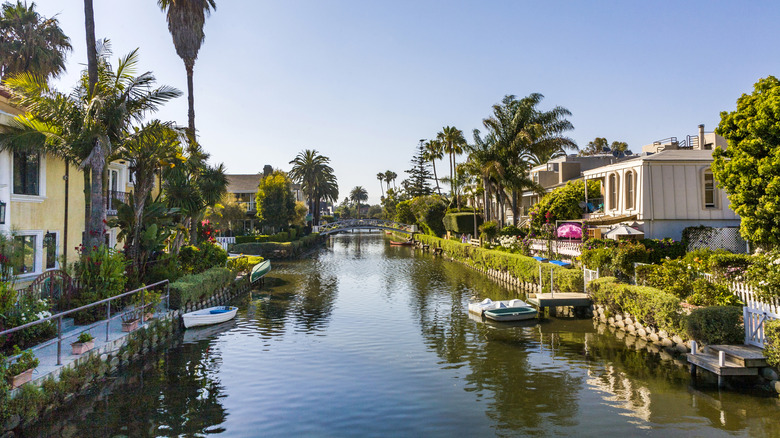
{"x": 363, "y": 81}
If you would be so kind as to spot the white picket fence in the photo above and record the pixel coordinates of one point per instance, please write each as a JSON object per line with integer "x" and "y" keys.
{"x": 570, "y": 248}
{"x": 755, "y": 312}
{"x": 588, "y": 275}
{"x": 225, "y": 241}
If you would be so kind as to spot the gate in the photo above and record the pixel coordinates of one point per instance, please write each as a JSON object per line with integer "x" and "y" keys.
{"x": 588, "y": 275}
{"x": 754, "y": 314}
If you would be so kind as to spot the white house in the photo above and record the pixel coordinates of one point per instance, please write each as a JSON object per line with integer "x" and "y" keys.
{"x": 664, "y": 192}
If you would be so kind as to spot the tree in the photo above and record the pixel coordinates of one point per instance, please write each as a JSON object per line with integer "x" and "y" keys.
{"x": 434, "y": 150}
{"x": 31, "y": 43}
{"x": 381, "y": 177}
{"x": 185, "y": 23}
{"x": 419, "y": 175}
{"x": 313, "y": 172}
{"x": 600, "y": 145}
{"x": 275, "y": 201}
{"x": 749, "y": 168}
{"x": 390, "y": 176}
{"x": 356, "y": 195}
{"x": 226, "y": 214}
{"x": 453, "y": 143}
{"x": 85, "y": 128}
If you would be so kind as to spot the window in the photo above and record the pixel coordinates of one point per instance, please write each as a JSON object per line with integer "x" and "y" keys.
{"x": 50, "y": 250}
{"x": 26, "y": 173}
{"x": 26, "y": 262}
{"x": 614, "y": 180}
{"x": 709, "y": 190}
{"x": 630, "y": 189}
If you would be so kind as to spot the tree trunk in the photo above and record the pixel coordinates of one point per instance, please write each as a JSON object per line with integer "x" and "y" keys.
{"x": 95, "y": 229}
{"x": 486, "y": 186}
{"x": 87, "y": 205}
{"x": 190, "y": 65}
{"x": 435, "y": 177}
{"x": 514, "y": 207}
{"x": 89, "y": 24}
{"x": 142, "y": 190}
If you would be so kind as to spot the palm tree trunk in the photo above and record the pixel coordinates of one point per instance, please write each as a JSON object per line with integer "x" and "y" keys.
{"x": 87, "y": 205}
{"x": 435, "y": 177}
{"x": 514, "y": 207}
{"x": 190, "y": 65}
{"x": 89, "y": 24}
{"x": 486, "y": 186}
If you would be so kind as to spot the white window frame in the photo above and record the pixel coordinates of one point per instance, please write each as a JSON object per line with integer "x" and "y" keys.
{"x": 614, "y": 188}
{"x": 632, "y": 197}
{"x": 38, "y": 255}
{"x": 41, "y": 196}
{"x": 715, "y": 194}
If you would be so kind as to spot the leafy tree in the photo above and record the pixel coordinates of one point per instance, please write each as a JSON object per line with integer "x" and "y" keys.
{"x": 275, "y": 201}
{"x": 419, "y": 175}
{"x": 30, "y": 43}
{"x": 356, "y": 195}
{"x": 600, "y": 145}
{"x": 300, "y": 213}
{"x": 749, "y": 168}
{"x": 563, "y": 203}
{"x": 226, "y": 214}
{"x": 318, "y": 182}
{"x": 429, "y": 213}
{"x": 185, "y": 23}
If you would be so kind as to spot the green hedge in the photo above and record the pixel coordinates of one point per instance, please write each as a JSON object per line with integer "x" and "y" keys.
{"x": 716, "y": 325}
{"x": 276, "y": 249}
{"x": 650, "y": 306}
{"x": 772, "y": 342}
{"x": 196, "y": 287}
{"x": 462, "y": 223}
{"x": 522, "y": 267}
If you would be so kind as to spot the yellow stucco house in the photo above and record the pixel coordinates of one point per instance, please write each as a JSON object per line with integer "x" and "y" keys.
{"x": 42, "y": 203}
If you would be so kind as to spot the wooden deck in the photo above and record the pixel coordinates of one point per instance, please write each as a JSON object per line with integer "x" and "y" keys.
{"x": 560, "y": 299}
{"x": 740, "y": 360}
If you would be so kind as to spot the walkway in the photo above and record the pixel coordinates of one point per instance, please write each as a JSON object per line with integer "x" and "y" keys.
{"x": 366, "y": 224}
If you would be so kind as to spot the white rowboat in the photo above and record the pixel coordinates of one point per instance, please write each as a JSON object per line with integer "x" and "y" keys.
{"x": 208, "y": 316}
{"x": 509, "y": 310}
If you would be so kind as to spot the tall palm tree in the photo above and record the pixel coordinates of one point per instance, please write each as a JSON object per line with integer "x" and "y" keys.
{"x": 453, "y": 142}
{"x": 381, "y": 177}
{"x": 30, "y": 42}
{"x": 434, "y": 150}
{"x": 85, "y": 128}
{"x": 356, "y": 195}
{"x": 92, "y": 52}
{"x": 390, "y": 176}
{"x": 185, "y": 23}
{"x": 313, "y": 172}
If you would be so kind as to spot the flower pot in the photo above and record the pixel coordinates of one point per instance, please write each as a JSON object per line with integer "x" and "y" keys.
{"x": 21, "y": 378}
{"x": 130, "y": 325}
{"x": 82, "y": 347}
{"x": 148, "y": 316}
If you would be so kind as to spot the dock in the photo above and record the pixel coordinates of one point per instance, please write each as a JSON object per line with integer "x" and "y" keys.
{"x": 727, "y": 360}
{"x": 561, "y": 299}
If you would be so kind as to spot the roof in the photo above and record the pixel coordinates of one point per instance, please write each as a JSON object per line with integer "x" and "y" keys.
{"x": 243, "y": 183}
{"x": 670, "y": 156}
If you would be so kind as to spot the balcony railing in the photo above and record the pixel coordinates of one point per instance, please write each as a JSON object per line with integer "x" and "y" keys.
{"x": 111, "y": 201}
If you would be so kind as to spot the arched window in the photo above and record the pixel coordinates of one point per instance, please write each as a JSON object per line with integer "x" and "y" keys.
{"x": 630, "y": 189}
{"x": 708, "y": 186}
{"x": 614, "y": 181}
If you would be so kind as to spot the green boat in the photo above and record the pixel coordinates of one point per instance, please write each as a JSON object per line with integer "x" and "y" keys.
{"x": 511, "y": 313}
{"x": 259, "y": 271}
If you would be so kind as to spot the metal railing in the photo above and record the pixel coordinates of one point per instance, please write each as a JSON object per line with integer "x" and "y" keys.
{"x": 111, "y": 198}
{"x": 107, "y": 321}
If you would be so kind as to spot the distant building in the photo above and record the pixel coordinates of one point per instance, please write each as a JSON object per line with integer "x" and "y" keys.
{"x": 244, "y": 188}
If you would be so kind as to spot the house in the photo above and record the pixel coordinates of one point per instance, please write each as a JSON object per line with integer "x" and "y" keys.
{"x": 664, "y": 190}
{"x": 244, "y": 188}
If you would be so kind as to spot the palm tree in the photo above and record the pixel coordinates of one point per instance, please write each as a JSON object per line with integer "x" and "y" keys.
{"x": 390, "y": 176}
{"x": 92, "y": 51}
{"x": 434, "y": 150}
{"x": 313, "y": 172}
{"x": 185, "y": 23}
{"x": 381, "y": 177}
{"x": 85, "y": 128}
{"x": 453, "y": 142}
{"x": 356, "y": 195}
{"x": 30, "y": 42}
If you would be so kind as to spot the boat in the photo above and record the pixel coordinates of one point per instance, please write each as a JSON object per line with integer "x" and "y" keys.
{"x": 408, "y": 242}
{"x": 259, "y": 271}
{"x": 209, "y": 316}
{"x": 509, "y": 310}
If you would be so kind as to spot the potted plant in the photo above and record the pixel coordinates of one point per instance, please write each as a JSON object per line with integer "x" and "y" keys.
{"x": 20, "y": 372}
{"x": 130, "y": 321}
{"x": 151, "y": 300}
{"x": 84, "y": 343}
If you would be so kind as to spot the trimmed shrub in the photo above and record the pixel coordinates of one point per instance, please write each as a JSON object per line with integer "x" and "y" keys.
{"x": 729, "y": 267}
{"x": 462, "y": 223}
{"x": 277, "y": 249}
{"x": 429, "y": 212}
{"x": 196, "y": 287}
{"x": 706, "y": 293}
{"x": 716, "y": 325}
{"x": 489, "y": 230}
{"x": 772, "y": 342}
{"x": 246, "y": 239}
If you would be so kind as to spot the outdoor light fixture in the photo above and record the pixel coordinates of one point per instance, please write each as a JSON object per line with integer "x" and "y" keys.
{"x": 2, "y": 212}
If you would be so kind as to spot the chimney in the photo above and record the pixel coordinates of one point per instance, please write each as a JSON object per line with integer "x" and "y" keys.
{"x": 701, "y": 138}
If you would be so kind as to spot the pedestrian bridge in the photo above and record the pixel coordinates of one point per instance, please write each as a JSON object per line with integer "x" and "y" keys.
{"x": 364, "y": 224}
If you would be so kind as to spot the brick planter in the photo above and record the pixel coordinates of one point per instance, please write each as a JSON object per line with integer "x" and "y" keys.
{"x": 130, "y": 325}
{"x": 82, "y": 347}
{"x": 21, "y": 378}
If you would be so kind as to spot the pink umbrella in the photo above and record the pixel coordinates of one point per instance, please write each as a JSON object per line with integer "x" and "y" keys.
{"x": 570, "y": 231}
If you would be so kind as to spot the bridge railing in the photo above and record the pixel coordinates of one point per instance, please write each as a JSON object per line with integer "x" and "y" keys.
{"x": 365, "y": 223}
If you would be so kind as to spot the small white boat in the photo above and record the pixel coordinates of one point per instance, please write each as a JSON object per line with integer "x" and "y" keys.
{"x": 509, "y": 310}
{"x": 209, "y": 316}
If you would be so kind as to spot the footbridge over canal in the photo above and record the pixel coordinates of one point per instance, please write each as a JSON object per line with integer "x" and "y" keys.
{"x": 364, "y": 224}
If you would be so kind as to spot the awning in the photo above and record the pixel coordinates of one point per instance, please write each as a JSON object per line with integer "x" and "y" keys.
{"x": 609, "y": 220}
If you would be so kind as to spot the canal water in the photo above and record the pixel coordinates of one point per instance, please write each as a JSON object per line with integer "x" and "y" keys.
{"x": 364, "y": 339}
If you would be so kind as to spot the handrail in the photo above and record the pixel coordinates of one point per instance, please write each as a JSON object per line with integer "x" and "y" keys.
{"x": 60, "y": 315}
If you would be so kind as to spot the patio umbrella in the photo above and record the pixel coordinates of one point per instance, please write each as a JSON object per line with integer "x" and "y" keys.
{"x": 570, "y": 231}
{"x": 623, "y": 231}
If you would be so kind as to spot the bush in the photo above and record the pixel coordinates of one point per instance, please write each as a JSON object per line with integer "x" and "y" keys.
{"x": 462, "y": 223}
{"x": 772, "y": 342}
{"x": 706, "y": 293}
{"x": 246, "y": 239}
{"x": 429, "y": 212}
{"x": 196, "y": 259}
{"x": 242, "y": 263}
{"x": 598, "y": 258}
{"x": 729, "y": 267}
{"x": 196, "y": 287}
{"x": 562, "y": 203}
{"x": 489, "y": 230}
{"x": 404, "y": 213}
{"x": 101, "y": 275}
{"x": 716, "y": 325}
{"x": 276, "y": 249}
{"x": 650, "y": 306}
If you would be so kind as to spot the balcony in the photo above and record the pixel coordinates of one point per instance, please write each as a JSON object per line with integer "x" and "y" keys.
{"x": 111, "y": 201}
